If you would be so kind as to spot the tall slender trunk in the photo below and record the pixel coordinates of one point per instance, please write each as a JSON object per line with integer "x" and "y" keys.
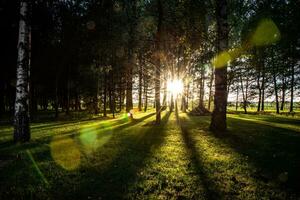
{"x": 193, "y": 90}
{"x": 172, "y": 103}
{"x": 56, "y": 97}
{"x": 164, "y": 103}
{"x": 210, "y": 88}
{"x": 104, "y": 95}
{"x": 244, "y": 96}
{"x": 129, "y": 104}
{"x": 259, "y": 93}
{"x": 131, "y": 49}
{"x": 68, "y": 95}
{"x": 145, "y": 92}
{"x": 183, "y": 103}
{"x": 201, "y": 90}
{"x": 187, "y": 95}
{"x": 21, "y": 116}
{"x": 113, "y": 101}
{"x": 218, "y": 120}
{"x": 120, "y": 94}
{"x": 292, "y": 87}
{"x": 283, "y": 93}
{"x": 158, "y": 67}
{"x": 77, "y": 102}
{"x": 110, "y": 95}
{"x": 237, "y": 99}
{"x": 140, "y": 87}
{"x": 275, "y": 90}
{"x": 2, "y": 96}
{"x": 263, "y": 90}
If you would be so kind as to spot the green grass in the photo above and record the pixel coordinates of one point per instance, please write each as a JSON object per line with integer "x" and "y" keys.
{"x": 257, "y": 158}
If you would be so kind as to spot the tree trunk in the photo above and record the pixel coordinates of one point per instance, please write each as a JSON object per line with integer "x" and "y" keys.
{"x": 218, "y": 121}
{"x": 283, "y": 94}
{"x": 244, "y": 96}
{"x": 2, "y": 95}
{"x": 275, "y": 90}
{"x": 193, "y": 90}
{"x": 121, "y": 94}
{"x": 172, "y": 103}
{"x": 104, "y": 95}
{"x": 129, "y": 104}
{"x": 183, "y": 103}
{"x": 164, "y": 103}
{"x": 21, "y": 116}
{"x": 157, "y": 68}
{"x": 263, "y": 90}
{"x": 201, "y": 90}
{"x": 145, "y": 93}
{"x": 259, "y": 93}
{"x": 237, "y": 99}
{"x": 210, "y": 88}
{"x": 131, "y": 59}
{"x": 187, "y": 95}
{"x": 68, "y": 95}
{"x": 292, "y": 87}
{"x": 56, "y": 98}
{"x": 113, "y": 101}
{"x": 140, "y": 87}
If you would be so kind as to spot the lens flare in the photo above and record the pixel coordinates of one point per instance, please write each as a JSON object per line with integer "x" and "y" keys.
{"x": 94, "y": 137}
{"x": 266, "y": 33}
{"x": 65, "y": 152}
{"x": 221, "y": 60}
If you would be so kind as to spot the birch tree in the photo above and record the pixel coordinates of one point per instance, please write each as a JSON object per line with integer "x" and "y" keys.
{"x": 21, "y": 118}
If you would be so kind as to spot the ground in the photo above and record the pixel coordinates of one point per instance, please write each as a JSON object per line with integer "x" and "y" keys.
{"x": 257, "y": 158}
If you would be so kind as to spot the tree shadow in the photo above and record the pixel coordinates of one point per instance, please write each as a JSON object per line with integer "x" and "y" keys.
{"x": 44, "y": 139}
{"x": 211, "y": 189}
{"x": 274, "y": 151}
{"x": 85, "y": 176}
{"x": 273, "y": 122}
{"x": 271, "y": 150}
{"x": 121, "y": 172}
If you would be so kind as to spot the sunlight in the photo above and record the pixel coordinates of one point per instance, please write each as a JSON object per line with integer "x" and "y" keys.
{"x": 175, "y": 87}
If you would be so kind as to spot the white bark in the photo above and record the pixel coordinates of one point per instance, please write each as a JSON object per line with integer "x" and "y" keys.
{"x": 21, "y": 132}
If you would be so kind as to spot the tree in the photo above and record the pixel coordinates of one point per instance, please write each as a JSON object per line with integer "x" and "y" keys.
{"x": 158, "y": 65}
{"x": 218, "y": 120}
{"x": 21, "y": 118}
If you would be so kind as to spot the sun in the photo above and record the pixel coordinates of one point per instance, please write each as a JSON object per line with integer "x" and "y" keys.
{"x": 175, "y": 87}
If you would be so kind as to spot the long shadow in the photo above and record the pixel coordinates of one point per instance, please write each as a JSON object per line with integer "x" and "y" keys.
{"x": 196, "y": 157}
{"x": 114, "y": 180}
{"x": 274, "y": 123}
{"x": 42, "y": 153}
{"x": 273, "y": 151}
{"x": 281, "y": 120}
{"x": 53, "y": 125}
{"x": 73, "y": 132}
{"x": 57, "y": 125}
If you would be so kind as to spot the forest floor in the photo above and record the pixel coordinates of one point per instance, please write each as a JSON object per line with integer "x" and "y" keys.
{"x": 257, "y": 158}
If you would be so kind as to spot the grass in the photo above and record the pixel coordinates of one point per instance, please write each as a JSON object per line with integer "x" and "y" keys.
{"x": 257, "y": 158}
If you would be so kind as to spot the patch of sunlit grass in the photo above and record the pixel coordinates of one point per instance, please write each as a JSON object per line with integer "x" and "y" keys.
{"x": 135, "y": 159}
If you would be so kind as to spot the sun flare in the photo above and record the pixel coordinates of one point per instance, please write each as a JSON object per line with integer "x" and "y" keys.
{"x": 175, "y": 87}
